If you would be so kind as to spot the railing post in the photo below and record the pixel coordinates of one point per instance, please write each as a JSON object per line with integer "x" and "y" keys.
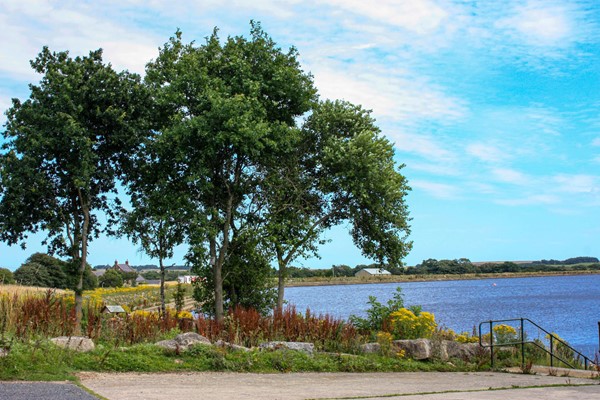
{"x": 491, "y": 345}
{"x": 522, "y": 347}
{"x": 551, "y": 351}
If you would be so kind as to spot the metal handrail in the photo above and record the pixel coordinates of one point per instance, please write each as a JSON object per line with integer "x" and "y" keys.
{"x": 587, "y": 361}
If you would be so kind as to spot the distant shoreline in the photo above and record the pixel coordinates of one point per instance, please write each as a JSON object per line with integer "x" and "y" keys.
{"x": 344, "y": 280}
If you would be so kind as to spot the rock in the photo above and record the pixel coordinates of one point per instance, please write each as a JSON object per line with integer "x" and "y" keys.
{"x": 305, "y": 347}
{"x": 182, "y": 342}
{"x": 230, "y": 346}
{"x": 190, "y": 338}
{"x": 370, "y": 348}
{"x": 417, "y": 349}
{"x": 463, "y": 351}
{"x": 77, "y": 343}
{"x": 170, "y": 345}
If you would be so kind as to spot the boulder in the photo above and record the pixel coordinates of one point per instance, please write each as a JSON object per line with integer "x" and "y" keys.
{"x": 183, "y": 341}
{"x": 191, "y": 338}
{"x": 417, "y": 349}
{"x": 170, "y": 345}
{"x": 77, "y": 343}
{"x": 230, "y": 346}
{"x": 370, "y": 348}
{"x": 305, "y": 347}
{"x": 464, "y": 351}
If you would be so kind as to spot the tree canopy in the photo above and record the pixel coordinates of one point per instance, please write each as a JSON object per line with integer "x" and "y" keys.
{"x": 224, "y": 146}
{"x": 65, "y": 147}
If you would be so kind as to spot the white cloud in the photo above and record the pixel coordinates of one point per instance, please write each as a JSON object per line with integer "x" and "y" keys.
{"x": 511, "y": 176}
{"x": 77, "y": 27}
{"x": 389, "y": 92}
{"x": 541, "y": 24}
{"x": 439, "y": 190}
{"x": 5, "y": 103}
{"x": 417, "y": 16}
{"x": 537, "y": 199}
{"x": 486, "y": 152}
{"x": 422, "y": 145}
{"x": 596, "y": 142}
{"x": 576, "y": 183}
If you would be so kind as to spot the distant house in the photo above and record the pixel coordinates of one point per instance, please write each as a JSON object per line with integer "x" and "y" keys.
{"x": 99, "y": 272}
{"x": 123, "y": 267}
{"x": 372, "y": 272}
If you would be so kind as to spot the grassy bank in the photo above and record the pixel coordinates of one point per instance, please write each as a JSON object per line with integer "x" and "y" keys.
{"x": 40, "y": 360}
{"x": 345, "y": 280}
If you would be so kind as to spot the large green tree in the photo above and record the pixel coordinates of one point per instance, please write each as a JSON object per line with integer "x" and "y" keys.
{"x": 227, "y": 109}
{"x": 343, "y": 171}
{"x": 65, "y": 147}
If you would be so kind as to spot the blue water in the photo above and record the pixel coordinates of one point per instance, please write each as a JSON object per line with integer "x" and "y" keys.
{"x": 566, "y": 305}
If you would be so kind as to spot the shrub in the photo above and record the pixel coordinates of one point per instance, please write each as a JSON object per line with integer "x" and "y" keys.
{"x": 406, "y": 324}
{"x": 378, "y": 314}
{"x": 6, "y": 276}
{"x": 504, "y": 334}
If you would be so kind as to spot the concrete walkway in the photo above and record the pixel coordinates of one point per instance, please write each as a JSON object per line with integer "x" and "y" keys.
{"x": 411, "y": 385}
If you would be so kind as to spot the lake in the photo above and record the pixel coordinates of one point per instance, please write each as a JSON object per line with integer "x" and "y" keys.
{"x": 566, "y": 305}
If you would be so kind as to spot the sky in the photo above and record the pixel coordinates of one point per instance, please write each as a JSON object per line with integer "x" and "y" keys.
{"x": 493, "y": 106}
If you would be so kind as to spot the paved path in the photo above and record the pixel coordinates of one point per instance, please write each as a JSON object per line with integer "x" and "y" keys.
{"x": 42, "y": 391}
{"x": 296, "y": 386}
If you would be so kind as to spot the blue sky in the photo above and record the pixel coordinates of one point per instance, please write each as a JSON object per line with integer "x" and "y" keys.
{"x": 494, "y": 106}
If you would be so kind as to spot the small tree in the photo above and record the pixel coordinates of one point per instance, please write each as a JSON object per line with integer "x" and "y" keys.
{"x": 111, "y": 278}
{"x": 342, "y": 170}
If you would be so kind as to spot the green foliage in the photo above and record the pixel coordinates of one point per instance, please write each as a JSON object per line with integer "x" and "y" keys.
{"x": 32, "y": 274}
{"x": 179, "y": 297}
{"x": 63, "y": 150}
{"x": 6, "y": 276}
{"x": 378, "y": 314}
{"x": 246, "y": 281}
{"x": 225, "y": 110}
{"x": 110, "y": 278}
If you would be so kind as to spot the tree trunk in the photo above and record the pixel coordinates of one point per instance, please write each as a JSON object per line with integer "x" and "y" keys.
{"x": 217, "y": 276}
{"x": 162, "y": 288}
{"x": 79, "y": 288}
{"x": 282, "y": 272}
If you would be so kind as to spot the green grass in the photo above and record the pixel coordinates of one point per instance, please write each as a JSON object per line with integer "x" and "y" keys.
{"x": 43, "y": 361}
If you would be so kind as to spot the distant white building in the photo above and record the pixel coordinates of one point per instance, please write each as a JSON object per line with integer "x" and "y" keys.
{"x": 372, "y": 272}
{"x": 186, "y": 278}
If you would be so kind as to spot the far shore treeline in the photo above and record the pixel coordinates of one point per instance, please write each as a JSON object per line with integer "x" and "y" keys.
{"x": 462, "y": 266}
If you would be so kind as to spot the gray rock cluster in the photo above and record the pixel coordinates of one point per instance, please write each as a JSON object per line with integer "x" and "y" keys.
{"x": 77, "y": 343}
{"x": 304, "y": 347}
{"x": 425, "y": 349}
{"x": 183, "y": 341}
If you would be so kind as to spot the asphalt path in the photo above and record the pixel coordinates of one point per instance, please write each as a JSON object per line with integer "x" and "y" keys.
{"x": 43, "y": 391}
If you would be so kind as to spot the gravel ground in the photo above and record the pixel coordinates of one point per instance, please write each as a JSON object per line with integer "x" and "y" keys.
{"x": 42, "y": 391}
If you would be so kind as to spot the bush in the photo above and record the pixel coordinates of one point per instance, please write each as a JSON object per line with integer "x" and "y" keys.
{"x": 378, "y": 314}
{"x": 412, "y": 324}
{"x": 6, "y": 276}
{"x": 111, "y": 278}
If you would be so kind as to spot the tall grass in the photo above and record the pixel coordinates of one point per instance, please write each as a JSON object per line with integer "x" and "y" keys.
{"x": 26, "y": 316}
{"x": 249, "y": 328}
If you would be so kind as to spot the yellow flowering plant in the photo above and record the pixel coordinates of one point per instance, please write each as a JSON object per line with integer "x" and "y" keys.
{"x": 505, "y": 334}
{"x": 406, "y": 324}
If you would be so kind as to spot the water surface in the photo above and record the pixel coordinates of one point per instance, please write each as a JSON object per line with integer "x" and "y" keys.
{"x": 567, "y": 305}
